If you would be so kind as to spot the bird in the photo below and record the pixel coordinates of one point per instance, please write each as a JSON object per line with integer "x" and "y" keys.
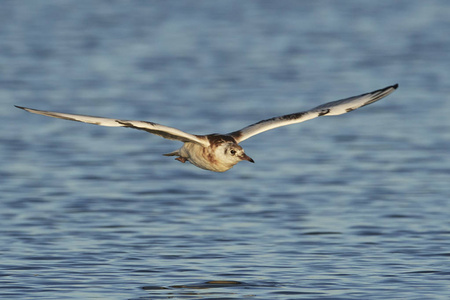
{"x": 220, "y": 152}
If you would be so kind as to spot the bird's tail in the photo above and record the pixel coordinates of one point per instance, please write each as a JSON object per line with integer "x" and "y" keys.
{"x": 174, "y": 153}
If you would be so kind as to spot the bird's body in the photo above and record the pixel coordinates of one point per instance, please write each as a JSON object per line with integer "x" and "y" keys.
{"x": 220, "y": 152}
{"x": 218, "y": 156}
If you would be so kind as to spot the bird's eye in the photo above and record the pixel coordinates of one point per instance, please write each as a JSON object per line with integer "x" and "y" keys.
{"x": 233, "y": 152}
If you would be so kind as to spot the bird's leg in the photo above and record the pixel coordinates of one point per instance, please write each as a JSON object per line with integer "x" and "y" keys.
{"x": 181, "y": 159}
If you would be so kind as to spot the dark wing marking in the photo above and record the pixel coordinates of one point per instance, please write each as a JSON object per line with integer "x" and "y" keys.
{"x": 160, "y": 130}
{"x": 328, "y": 109}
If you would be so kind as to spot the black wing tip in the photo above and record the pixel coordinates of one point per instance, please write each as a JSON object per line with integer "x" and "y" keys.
{"x": 394, "y": 87}
{"x": 21, "y": 107}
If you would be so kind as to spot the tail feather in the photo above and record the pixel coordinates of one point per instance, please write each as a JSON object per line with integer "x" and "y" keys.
{"x": 174, "y": 153}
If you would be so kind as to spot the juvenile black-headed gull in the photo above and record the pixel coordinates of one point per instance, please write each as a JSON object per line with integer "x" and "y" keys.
{"x": 220, "y": 152}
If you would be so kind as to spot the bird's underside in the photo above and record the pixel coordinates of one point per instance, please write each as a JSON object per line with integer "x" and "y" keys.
{"x": 220, "y": 152}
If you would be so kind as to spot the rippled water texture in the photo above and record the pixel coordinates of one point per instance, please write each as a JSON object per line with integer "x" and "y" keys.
{"x": 347, "y": 207}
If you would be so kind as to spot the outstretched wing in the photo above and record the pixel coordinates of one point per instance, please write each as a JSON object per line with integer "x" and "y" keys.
{"x": 328, "y": 109}
{"x": 161, "y": 130}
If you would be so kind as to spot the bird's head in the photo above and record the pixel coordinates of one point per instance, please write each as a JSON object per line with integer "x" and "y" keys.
{"x": 232, "y": 153}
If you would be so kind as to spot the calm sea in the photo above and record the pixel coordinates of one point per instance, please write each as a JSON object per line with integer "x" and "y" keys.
{"x": 349, "y": 207}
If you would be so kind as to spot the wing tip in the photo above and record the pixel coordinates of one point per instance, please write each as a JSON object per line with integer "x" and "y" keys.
{"x": 395, "y": 86}
{"x": 25, "y": 108}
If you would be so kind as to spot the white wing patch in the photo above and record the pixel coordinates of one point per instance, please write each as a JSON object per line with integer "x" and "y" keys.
{"x": 328, "y": 109}
{"x": 160, "y": 130}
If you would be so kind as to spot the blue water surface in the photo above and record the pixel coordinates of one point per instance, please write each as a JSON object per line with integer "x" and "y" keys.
{"x": 348, "y": 207}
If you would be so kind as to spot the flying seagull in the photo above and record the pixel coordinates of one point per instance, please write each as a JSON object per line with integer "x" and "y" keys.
{"x": 220, "y": 152}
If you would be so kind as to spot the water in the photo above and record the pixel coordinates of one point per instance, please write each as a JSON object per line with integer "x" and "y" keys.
{"x": 348, "y": 207}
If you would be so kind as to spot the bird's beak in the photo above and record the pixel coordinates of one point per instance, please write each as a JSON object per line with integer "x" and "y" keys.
{"x": 246, "y": 157}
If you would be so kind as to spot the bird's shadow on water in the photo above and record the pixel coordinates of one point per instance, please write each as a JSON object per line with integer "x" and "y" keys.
{"x": 220, "y": 289}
